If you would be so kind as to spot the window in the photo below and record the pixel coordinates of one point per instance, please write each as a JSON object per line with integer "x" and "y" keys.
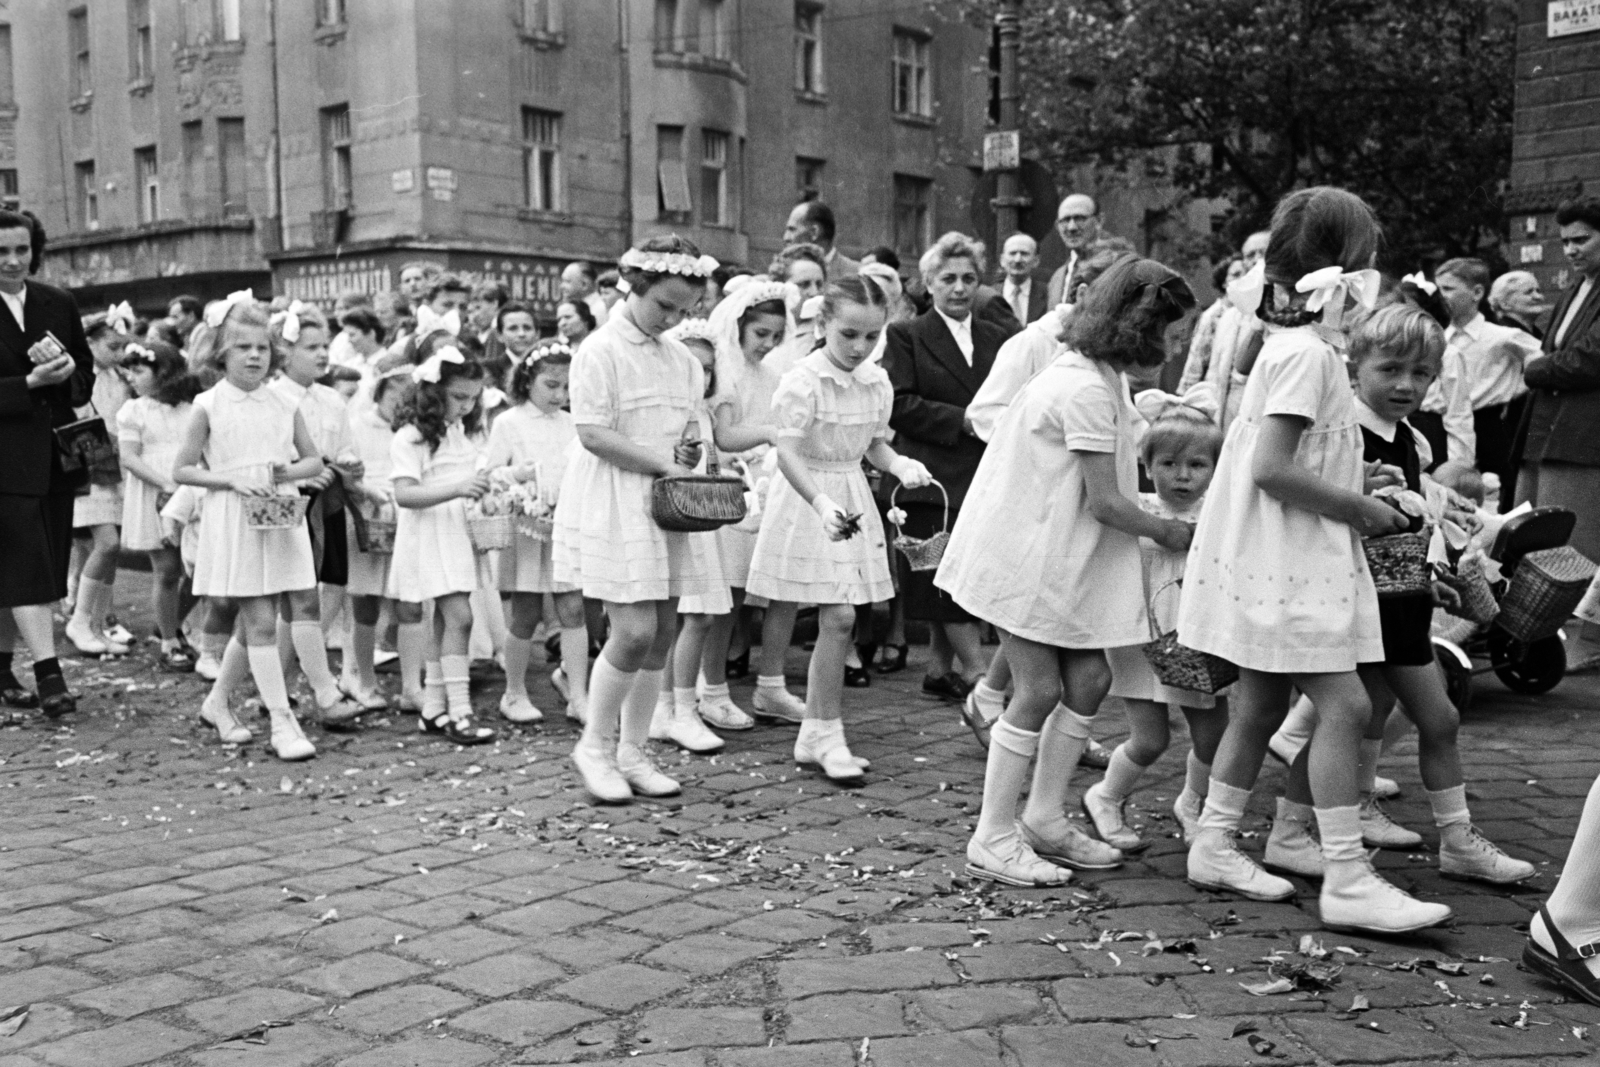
{"x": 714, "y": 179}
{"x": 911, "y": 216}
{"x": 912, "y": 93}
{"x": 8, "y": 96}
{"x": 672, "y": 177}
{"x": 228, "y": 15}
{"x": 88, "y": 195}
{"x": 808, "y": 177}
{"x": 713, "y": 31}
{"x": 336, "y": 157}
{"x": 808, "y": 48}
{"x": 330, "y": 12}
{"x": 140, "y": 65}
{"x": 78, "y": 40}
{"x": 541, "y": 158}
{"x": 234, "y": 157}
{"x": 667, "y": 36}
{"x": 194, "y": 170}
{"x": 538, "y": 16}
{"x": 10, "y": 195}
{"x": 147, "y": 183}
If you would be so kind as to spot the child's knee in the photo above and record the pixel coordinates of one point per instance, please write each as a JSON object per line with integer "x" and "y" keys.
{"x": 407, "y": 613}
{"x": 835, "y": 620}
{"x": 365, "y": 609}
{"x": 456, "y": 610}
{"x": 569, "y": 610}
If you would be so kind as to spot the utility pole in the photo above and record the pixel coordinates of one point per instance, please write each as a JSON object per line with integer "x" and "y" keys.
{"x": 1003, "y": 149}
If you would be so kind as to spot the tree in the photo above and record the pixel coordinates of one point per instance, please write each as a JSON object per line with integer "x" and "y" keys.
{"x": 1405, "y": 102}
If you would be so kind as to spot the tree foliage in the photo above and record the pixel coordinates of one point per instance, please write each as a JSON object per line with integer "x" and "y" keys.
{"x": 1406, "y": 102}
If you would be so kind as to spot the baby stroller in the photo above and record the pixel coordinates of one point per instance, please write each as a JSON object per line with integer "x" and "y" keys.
{"x": 1523, "y": 647}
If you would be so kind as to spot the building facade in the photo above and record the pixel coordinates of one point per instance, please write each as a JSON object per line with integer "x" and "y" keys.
{"x": 310, "y": 147}
{"x": 1555, "y": 150}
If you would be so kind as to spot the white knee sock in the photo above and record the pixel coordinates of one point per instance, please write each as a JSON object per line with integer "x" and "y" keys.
{"x": 1061, "y": 742}
{"x": 433, "y": 698}
{"x": 453, "y": 671}
{"x": 236, "y": 666}
{"x": 1297, "y": 726}
{"x": 608, "y": 688}
{"x": 1224, "y": 808}
{"x": 268, "y": 672}
{"x": 639, "y": 705}
{"x": 307, "y": 638}
{"x": 1011, "y": 750}
{"x": 575, "y": 661}
{"x": 1196, "y": 776}
{"x": 517, "y": 652}
{"x": 1340, "y": 832}
{"x": 991, "y": 702}
{"x": 1122, "y": 774}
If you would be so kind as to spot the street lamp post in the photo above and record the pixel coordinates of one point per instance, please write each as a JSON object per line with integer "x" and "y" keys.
{"x": 1007, "y": 201}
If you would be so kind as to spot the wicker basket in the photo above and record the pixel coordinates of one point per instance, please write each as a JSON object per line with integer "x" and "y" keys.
{"x": 1477, "y": 597}
{"x": 1545, "y": 589}
{"x": 1399, "y": 563}
{"x": 924, "y": 554}
{"x": 489, "y": 532}
{"x": 535, "y": 528}
{"x": 696, "y": 503}
{"x": 278, "y": 512}
{"x": 380, "y": 537}
{"x": 1178, "y": 666}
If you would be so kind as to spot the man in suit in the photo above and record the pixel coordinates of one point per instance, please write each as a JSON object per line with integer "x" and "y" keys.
{"x": 812, "y": 222}
{"x": 41, "y": 381}
{"x": 1078, "y": 225}
{"x": 1026, "y": 295}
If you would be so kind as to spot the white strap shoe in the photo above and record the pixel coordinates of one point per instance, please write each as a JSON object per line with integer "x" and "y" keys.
{"x": 685, "y": 730}
{"x": 778, "y": 705}
{"x": 1010, "y": 861}
{"x": 724, "y": 714}
{"x": 1109, "y": 821}
{"x": 1065, "y": 844}
{"x": 821, "y": 743}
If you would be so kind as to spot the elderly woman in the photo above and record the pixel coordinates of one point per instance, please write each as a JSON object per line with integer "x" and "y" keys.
{"x": 1516, "y": 300}
{"x": 46, "y": 369}
{"x": 937, "y": 362}
{"x": 574, "y": 321}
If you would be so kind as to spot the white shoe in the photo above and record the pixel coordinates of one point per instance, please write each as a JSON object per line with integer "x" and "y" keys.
{"x": 229, "y": 730}
{"x": 1380, "y": 831}
{"x": 366, "y": 699}
{"x": 1010, "y": 861}
{"x": 1291, "y": 847}
{"x": 519, "y": 709}
{"x": 1385, "y": 788}
{"x": 778, "y": 705}
{"x": 1067, "y": 846}
{"x": 1356, "y": 897}
{"x": 1109, "y": 823}
{"x": 341, "y": 712}
{"x": 90, "y": 643}
{"x": 687, "y": 731}
{"x": 577, "y": 710}
{"x": 1188, "y": 815}
{"x": 829, "y": 751}
{"x": 208, "y": 667}
{"x": 600, "y": 774}
{"x": 1466, "y": 853}
{"x": 724, "y": 714}
{"x": 661, "y": 718}
{"x": 642, "y": 775}
{"x": 1215, "y": 862}
{"x": 288, "y": 740}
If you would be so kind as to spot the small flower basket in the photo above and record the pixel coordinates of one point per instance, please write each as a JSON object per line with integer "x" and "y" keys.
{"x": 921, "y": 554}
{"x": 380, "y": 537}
{"x": 1177, "y": 666}
{"x": 1399, "y": 563}
{"x": 1477, "y": 596}
{"x": 278, "y": 512}
{"x": 1545, "y": 589}
{"x": 696, "y": 503}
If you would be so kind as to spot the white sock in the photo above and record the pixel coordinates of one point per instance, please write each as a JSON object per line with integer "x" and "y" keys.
{"x": 684, "y": 699}
{"x": 575, "y": 661}
{"x": 1061, "y": 742}
{"x": 517, "y": 652}
{"x": 821, "y": 735}
{"x": 453, "y": 671}
{"x": 307, "y": 638}
{"x": 1122, "y": 774}
{"x": 991, "y": 703}
{"x": 1224, "y": 807}
{"x": 1367, "y": 768}
{"x": 1011, "y": 750}
{"x": 236, "y": 667}
{"x": 433, "y": 698}
{"x": 1298, "y": 724}
{"x": 411, "y": 642}
{"x": 639, "y": 706}
{"x": 1196, "y": 776}
{"x": 608, "y": 688}
{"x": 1450, "y": 807}
{"x": 1340, "y": 832}
{"x": 87, "y": 610}
{"x": 268, "y": 672}
{"x": 771, "y": 681}
{"x": 716, "y": 692}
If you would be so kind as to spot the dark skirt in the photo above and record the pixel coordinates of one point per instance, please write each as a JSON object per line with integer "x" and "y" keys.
{"x": 923, "y": 601}
{"x": 1430, "y": 424}
{"x": 37, "y": 534}
{"x": 1406, "y": 621}
{"x": 330, "y": 551}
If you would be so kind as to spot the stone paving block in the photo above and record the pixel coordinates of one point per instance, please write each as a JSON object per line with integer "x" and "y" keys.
{"x": 143, "y": 898}
{"x": 129, "y": 878}
{"x": 1337, "y": 1041}
{"x": 849, "y": 1015}
{"x": 437, "y": 883}
{"x": 1477, "y": 1035}
{"x": 438, "y": 913}
{"x": 424, "y": 1052}
{"x": 620, "y": 988}
{"x": 1222, "y": 995}
{"x": 545, "y": 917}
{"x": 1097, "y": 999}
{"x": 359, "y": 974}
{"x": 1230, "y": 1052}
{"x": 41, "y": 920}
{"x": 226, "y": 879}
{"x": 623, "y": 897}
{"x": 671, "y": 920}
{"x": 522, "y": 1022}
{"x": 28, "y": 952}
{"x": 240, "y": 967}
{"x": 252, "y": 928}
{"x": 831, "y": 1054}
{"x": 234, "y": 1012}
{"x": 678, "y": 1028}
{"x": 705, "y": 954}
{"x": 784, "y": 924}
{"x": 300, "y": 1045}
{"x": 1082, "y": 1045}
{"x": 587, "y": 949}
{"x": 461, "y": 945}
{"x": 890, "y": 970}
{"x": 977, "y": 1007}
{"x": 500, "y": 976}
{"x": 1256, "y": 916}
{"x": 1000, "y": 963}
{"x": 413, "y": 860}
{"x": 529, "y": 887}
{"x": 391, "y": 1010}
{"x": 898, "y": 937}
{"x": 1121, "y": 960}
{"x": 316, "y": 859}
{"x": 968, "y": 1048}
{"x": 1162, "y": 920}
{"x": 40, "y": 894}
{"x": 121, "y": 1045}
{"x": 50, "y": 1022}
{"x": 43, "y": 983}
{"x": 135, "y": 996}
{"x": 346, "y": 937}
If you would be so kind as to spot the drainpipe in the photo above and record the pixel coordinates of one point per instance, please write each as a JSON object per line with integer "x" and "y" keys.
{"x": 625, "y": 95}
{"x": 275, "y": 150}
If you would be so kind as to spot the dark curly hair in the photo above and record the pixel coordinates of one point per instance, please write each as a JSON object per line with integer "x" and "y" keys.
{"x": 174, "y": 384}
{"x": 1122, "y": 320}
{"x": 425, "y": 407}
{"x": 26, "y": 220}
{"x": 551, "y": 352}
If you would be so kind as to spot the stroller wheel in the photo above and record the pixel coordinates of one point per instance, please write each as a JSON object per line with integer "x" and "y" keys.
{"x": 1530, "y": 669}
{"x": 1457, "y": 679}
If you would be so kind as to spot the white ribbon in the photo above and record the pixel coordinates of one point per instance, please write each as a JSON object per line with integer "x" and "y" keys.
{"x": 680, "y": 263}
{"x": 1421, "y": 282}
{"x": 290, "y": 319}
{"x": 430, "y": 321}
{"x": 120, "y": 317}
{"x": 1201, "y": 396}
{"x": 431, "y": 369}
{"x": 886, "y": 277}
{"x": 217, "y": 311}
{"x": 1329, "y": 288}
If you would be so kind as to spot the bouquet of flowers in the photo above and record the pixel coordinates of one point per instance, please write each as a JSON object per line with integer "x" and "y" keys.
{"x": 522, "y": 492}
{"x": 489, "y": 519}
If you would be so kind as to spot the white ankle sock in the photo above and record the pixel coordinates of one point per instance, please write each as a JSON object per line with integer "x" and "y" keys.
{"x": 516, "y": 653}
{"x": 268, "y": 672}
{"x": 640, "y": 706}
{"x": 88, "y": 610}
{"x": 1011, "y": 751}
{"x": 684, "y": 699}
{"x": 1224, "y": 807}
{"x": 1061, "y": 742}
{"x": 608, "y": 688}
{"x": 1196, "y": 776}
{"x": 716, "y": 692}
{"x": 771, "y": 681}
{"x": 575, "y": 661}
{"x": 1340, "y": 832}
{"x": 1450, "y": 807}
{"x": 1122, "y": 774}
{"x": 454, "y": 673}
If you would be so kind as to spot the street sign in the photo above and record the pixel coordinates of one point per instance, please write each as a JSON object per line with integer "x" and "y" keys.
{"x": 1563, "y": 17}
{"x": 1002, "y": 150}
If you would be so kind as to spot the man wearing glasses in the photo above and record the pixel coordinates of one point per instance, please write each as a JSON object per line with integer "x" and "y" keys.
{"x": 1078, "y": 223}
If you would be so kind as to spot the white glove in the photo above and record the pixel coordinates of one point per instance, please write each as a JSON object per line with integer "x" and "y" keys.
{"x": 911, "y": 472}
{"x": 832, "y": 515}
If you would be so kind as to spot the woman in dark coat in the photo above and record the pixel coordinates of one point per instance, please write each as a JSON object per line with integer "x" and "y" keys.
{"x": 41, "y": 381}
{"x": 937, "y": 361}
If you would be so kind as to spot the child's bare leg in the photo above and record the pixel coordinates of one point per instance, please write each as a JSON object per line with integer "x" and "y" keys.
{"x": 1105, "y": 800}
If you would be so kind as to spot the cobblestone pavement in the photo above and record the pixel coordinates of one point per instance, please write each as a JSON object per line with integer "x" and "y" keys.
{"x": 401, "y": 902}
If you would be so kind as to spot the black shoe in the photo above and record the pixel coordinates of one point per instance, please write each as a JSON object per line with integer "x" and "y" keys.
{"x": 1565, "y": 966}
{"x": 552, "y": 648}
{"x": 14, "y": 696}
{"x": 856, "y": 677}
{"x": 739, "y": 667}
{"x": 891, "y": 664}
{"x": 461, "y": 731}
{"x": 58, "y": 705}
{"x": 947, "y": 687}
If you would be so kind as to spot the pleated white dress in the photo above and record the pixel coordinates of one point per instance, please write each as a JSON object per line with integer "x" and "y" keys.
{"x": 835, "y": 416}
{"x": 527, "y": 435}
{"x": 157, "y": 429}
{"x": 249, "y": 431}
{"x": 433, "y": 553}
{"x": 605, "y": 542}
{"x": 372, "y": 439}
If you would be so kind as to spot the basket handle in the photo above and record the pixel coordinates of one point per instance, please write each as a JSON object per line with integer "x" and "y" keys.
{"x": 1150, "y": 605}
{"x": 691, "y": 432}
{"x": 898, "y": 485}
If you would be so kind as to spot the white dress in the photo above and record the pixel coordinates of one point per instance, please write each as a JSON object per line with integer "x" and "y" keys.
{"x": 749, "y": 405}
{"x": 157, "y": 429}
{"x": 606, "y": 543}
{"x": 834, "y": 417}
{"x": 371, "y": 438}
{"x": 1131, "y": 675}
{"x": 527, "y": 435}
{"x": 1268, "y": 586}
{"x": 103, "y": 504}
{"x": 1025, "y": 554}
{"x": 249, "y": 431}
{"x": 433, "y": 553}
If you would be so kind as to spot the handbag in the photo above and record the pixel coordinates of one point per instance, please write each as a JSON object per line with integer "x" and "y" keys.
{"x": 86, "y": 445}
{"x": 696, "y": 503}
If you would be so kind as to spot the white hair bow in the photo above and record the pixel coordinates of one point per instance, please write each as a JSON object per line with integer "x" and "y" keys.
{"x": 1329, "y": 287}
{"x": 217, "y": 311}
{"x": 431, "y": 369}
{"x": 1201, "y": 396}
{"x": 290, "y": 318}
{"x": 430, "y": 321}
{"x": 120, "y": 317}
{"x": 1421, "y": 282}
{"x": 886, "y": 277}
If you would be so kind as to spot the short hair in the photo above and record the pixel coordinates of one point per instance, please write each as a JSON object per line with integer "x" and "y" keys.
{"x": 1502, "y": 284}
{"x": 785, "y": 260}
{"x": 1178, "y": 429}
{"x": 512, "y": 307}
{"x": 952, "y": 245}
{"x": 608, "y": 279}
{"x": 430, "y": 268}
{"x": 1585, "y": 209}
{"x": 1469, "y": 269}
{"x": 820, "y": 215}
{"x": 583, "y": 311}
{"x": 447, "y": 281}
{"x": 491, "y": 289}
{"x": 1320, "y": 227}
{"x": 26, "y": 220}
{"x": 585, "y": 268}
{"x": 189, "y": 305}
{"x": 352, "y": 298}
{"x": 641, "y": 282}
{"x": 363, "y": 319}
{"x": 1122, "y": 320}
{"x": 885, "y": 255}
{"x": 1397, "y": 329}
{"x": 338, "y": 372}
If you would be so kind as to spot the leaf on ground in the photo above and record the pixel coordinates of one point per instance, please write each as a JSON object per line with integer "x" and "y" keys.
{"x": 1310, "y": 946}
{"x": 1360, "y": 1003}
{"x": 11, "y": 1020}
{"x": 1135, "y": 1041}
{"x": 1268, "y": 989}
{"x": 1260, "y": 1045}
{"x": 256, "y": 1035}
{"x": 1245, "y": 1026}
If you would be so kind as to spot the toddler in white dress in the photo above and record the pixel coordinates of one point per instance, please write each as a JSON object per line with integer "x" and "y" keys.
{"x": 100, "y": 510}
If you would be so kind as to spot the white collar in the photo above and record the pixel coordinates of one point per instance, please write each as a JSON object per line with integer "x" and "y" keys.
{"x": 291, "y": 387}
{"x": 827, "y": 368}
{"x": 1371, "y": 420}
{"x": 1471, "y": 327}
{"x": 19, "y": 297}
{"x": 230, "y": 391}
{"x": 964, "y": 325}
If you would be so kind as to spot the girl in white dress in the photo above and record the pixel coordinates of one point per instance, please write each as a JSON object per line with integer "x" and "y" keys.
{"x": 633, "y": 395}
{"x": 1179, "y": 450}
{"x": 1277, "y": 581}
{"x": 435, "y": 468}
{"x": 821, "y": 540}
{"x": 100, "y": 510}
{"x": 149, "y": 433}
{"x": 244, "y": 439}
{"x": 533, "y": 438}
{"x": 1047, "y": 549}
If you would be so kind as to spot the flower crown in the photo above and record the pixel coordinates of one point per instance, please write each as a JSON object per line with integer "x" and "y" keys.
{"x": 134, "y": 352}
{"x": 550, "y": 346}
{"x": 694, "y": 330}
{"x": 680, "y": 263}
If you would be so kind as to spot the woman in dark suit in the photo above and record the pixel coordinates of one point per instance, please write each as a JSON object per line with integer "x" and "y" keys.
{"x": 41, "y": 381}
{"x": 937, "y": 361}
